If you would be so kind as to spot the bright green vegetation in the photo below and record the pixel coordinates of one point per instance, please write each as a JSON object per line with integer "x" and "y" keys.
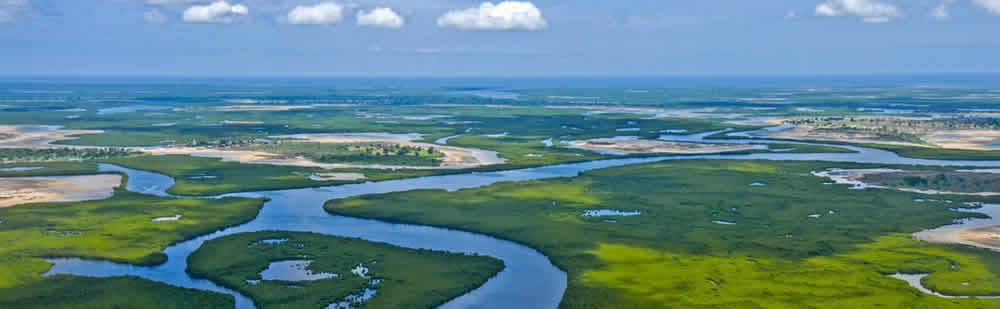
{"x": 48, "y": 169}
{"x": 62, "y": 291}
{"x": 353, "y": 153}
{"x": 408, "y": 278}
{"x": 937, "y": 180}
{"x": 118, "y": 229}
{"x": 673, "y": 255}
{"x": 20, "y": 155}
{"x": 190, "y": 173}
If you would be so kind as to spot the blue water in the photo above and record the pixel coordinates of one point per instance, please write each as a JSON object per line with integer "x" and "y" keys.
{"x": 529, "y": 279}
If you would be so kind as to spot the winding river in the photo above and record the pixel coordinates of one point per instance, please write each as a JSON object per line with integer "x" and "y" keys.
{"x": 529, "y": 279}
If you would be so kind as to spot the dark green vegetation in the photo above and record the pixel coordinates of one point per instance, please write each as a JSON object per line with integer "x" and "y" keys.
{"x": 21, "y": 155}
{"x": 353, "y": 153}
{"x": 950, "y": 181}
{"x": 118, "y": 229}
{"x": 407, "y": 278}
{"x": 673, "y": 255}
{"x": 62, "y": 291}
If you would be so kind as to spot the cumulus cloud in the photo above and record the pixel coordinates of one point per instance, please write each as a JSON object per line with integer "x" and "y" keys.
{"x": 381, "y": 18}
{"x": 220, "y": 12}
{"x": 154, "y": 16}
{"x": 990, "y": 5}
{"x": 791, "y": 15}
{"x": 10, "y": 8}
{"x": 868, "y": 10}
{"x": 507, "y": 15}
{"x": 321, "y": 14}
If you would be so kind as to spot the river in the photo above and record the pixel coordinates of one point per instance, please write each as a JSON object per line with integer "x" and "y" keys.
{"x": 529, "y": 279}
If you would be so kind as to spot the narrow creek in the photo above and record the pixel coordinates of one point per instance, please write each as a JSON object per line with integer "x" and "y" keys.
{"x": 529, "y": 279}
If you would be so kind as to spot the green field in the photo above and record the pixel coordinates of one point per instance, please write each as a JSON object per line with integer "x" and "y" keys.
{"x": 48, "y": 169}
{"x": 117, "y": 229}
{"x": 408, "y": 278}
{"x": 73, "y": 292}
{"x": 673, "y": 255}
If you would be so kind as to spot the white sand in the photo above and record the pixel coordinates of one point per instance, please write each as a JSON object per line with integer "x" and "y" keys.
{"x": 23, "y": 190}
{"x": 38, "y": 136}
{"x": 454, "y": 157}
{"x": 634, "y": 145}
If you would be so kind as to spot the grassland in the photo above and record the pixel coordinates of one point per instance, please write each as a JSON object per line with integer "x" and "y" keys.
{"x": 20, "y": 155}
{"x": 674, "y": 255}
{"x": 66, "y": 292}
{"x": 117, "y": 229}
{"x": 408, "y": 278}
{"x": 48, "y": 169}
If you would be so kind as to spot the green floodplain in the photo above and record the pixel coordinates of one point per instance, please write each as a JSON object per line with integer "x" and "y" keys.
{"x": 674, "y": 255}
{"x": 680, "y": 251}
{"x": 403, "y": 278}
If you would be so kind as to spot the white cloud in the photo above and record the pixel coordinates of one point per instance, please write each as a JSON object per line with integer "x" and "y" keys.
{"x": 220, "y": 12}
{"x": 10, "y": 8}
{"x": 380, "y": 17}
{"x": 990, "y": 5}
{"x": 507, "y": 15}
{"x": 941, "y": 13}
{"x": 321, "y": 14}
{"x": 870, "y": 11}
{"x": 154, "y": 16}
{"x": 791, "y": 15}
{"x": 165, "y": 2}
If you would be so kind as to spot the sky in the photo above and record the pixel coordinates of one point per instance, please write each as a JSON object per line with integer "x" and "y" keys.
{"x": 445, "y": 38}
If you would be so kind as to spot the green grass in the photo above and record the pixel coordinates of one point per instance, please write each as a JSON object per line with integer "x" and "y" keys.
{"x": 73, "y": 292}
{"x": 117, "y": 229}
{"x": 409, "y": 278}
{"x": 20, "y": 155}
{"x": 774, "y": 257}
{"x": 50, "y": 169}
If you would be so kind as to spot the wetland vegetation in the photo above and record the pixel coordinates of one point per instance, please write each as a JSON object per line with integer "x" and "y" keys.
{"x": 774, "y": 255}
{"x": 701, "y": 233}
{"x": 117, "y": 229}
{"x": 401, "y": 278}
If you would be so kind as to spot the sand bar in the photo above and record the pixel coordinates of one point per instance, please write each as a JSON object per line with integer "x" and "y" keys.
{"x": 23, "y": 190}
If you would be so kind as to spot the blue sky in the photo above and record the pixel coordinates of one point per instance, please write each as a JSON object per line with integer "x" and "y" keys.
{"x": 504, "y": 38}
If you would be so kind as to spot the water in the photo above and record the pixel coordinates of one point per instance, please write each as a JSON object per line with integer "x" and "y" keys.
{"x": 20, "y": 169}
{"x": 293, "y": 270}
{"x": 529, "y": 280}
{"x": 129, "y": 109}
{"x": 489, "y": 94}
{"x": 949, "y": 233}
{"x": 609, "y": 212}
